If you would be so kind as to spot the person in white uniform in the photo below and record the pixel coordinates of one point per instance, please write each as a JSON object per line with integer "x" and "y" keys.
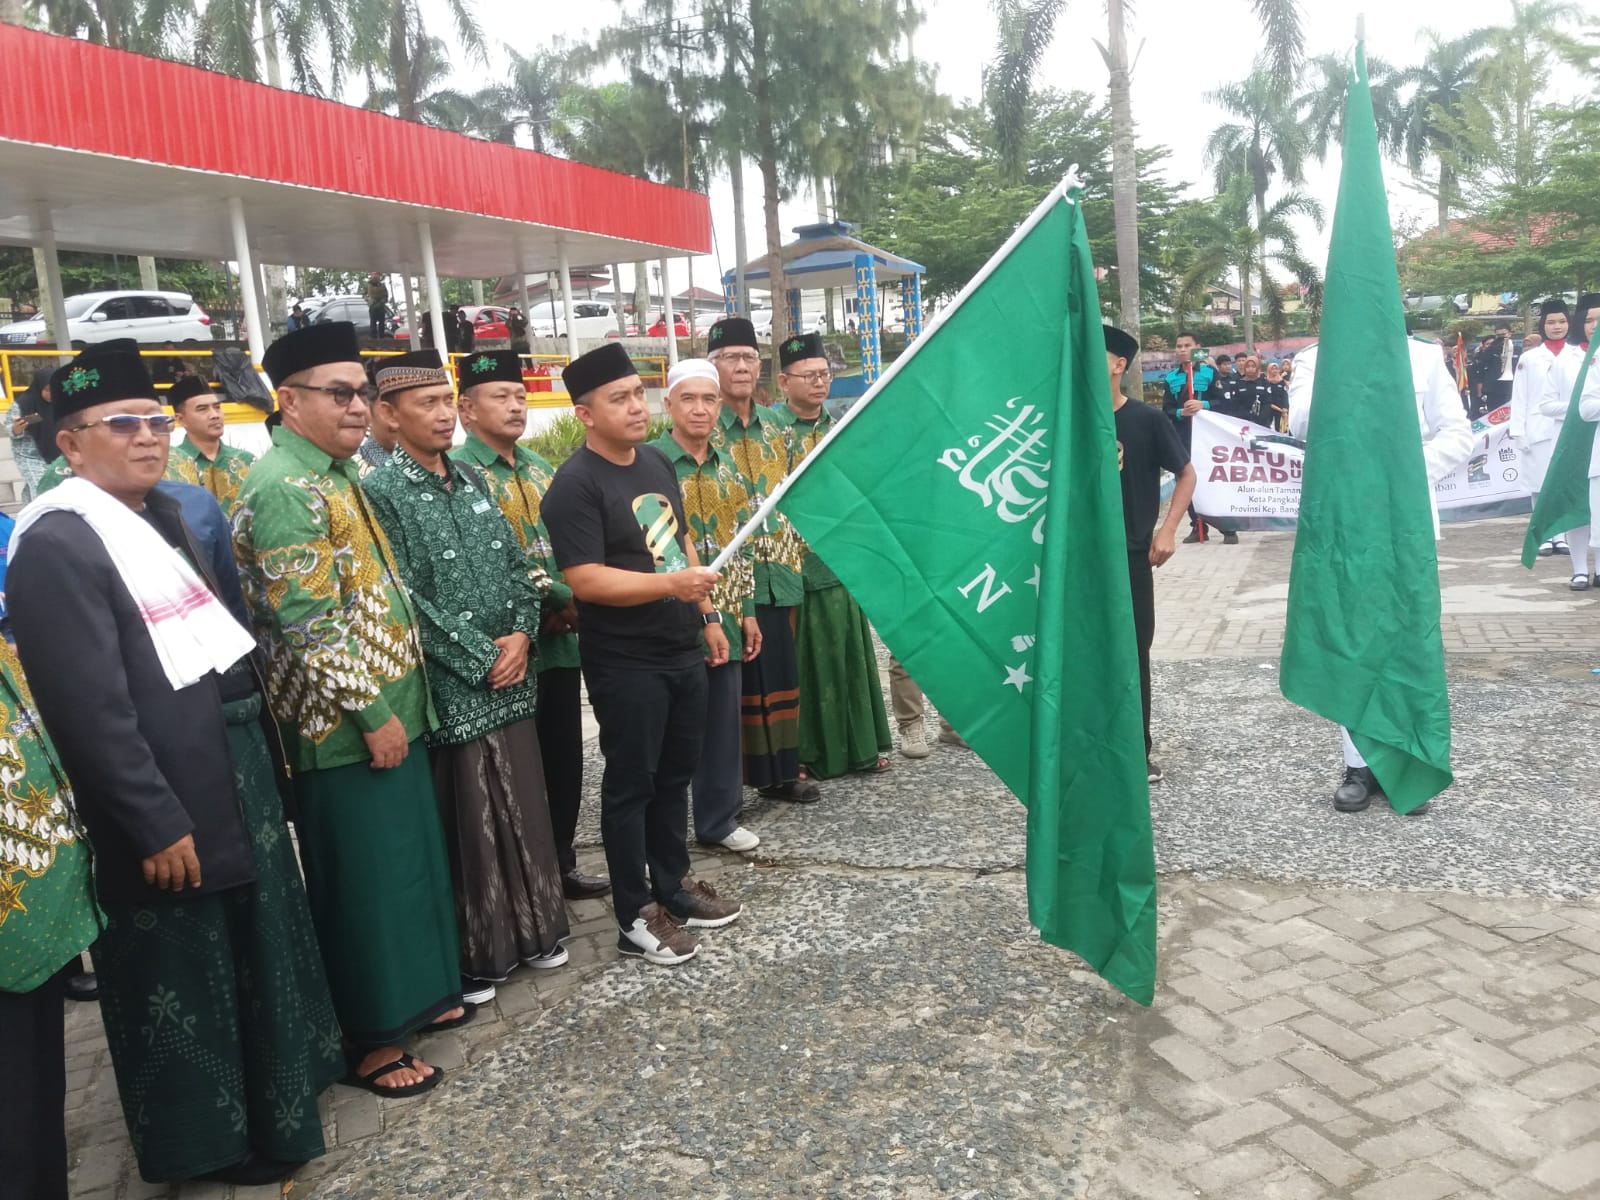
{"x": 1533, "y": 428}
{"x": 1562, "y": 381}
{"x": 1447, "y": 442}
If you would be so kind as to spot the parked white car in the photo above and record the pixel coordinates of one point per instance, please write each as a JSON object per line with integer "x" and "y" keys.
{"x": 151, "y": 318}
{"x": 591, "y": 319}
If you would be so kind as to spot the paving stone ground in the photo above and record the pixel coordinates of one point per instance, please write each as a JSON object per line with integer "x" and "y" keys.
{"x": 1366, "y": 1007}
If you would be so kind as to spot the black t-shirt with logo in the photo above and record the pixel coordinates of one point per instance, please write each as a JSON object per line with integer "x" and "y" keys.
{"x": 630, "y": 518}
{"x": 1146, "y": 443}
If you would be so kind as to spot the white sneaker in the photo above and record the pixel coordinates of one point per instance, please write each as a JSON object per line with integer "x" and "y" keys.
{"x": 655, "y": 938}
{"x": 914, "y": 740}
{"x": 741, "y": 839}
{"x": 476, "y": 991}
{"x": 544, "y": 962}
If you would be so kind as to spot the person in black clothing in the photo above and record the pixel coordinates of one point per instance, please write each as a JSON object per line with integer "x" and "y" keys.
{"x": 1191, "y": 387}
{"x": 1250, "y": 396}
{"x": 33, "y": 431}
{"x": 616, "y": 522}
{"x": 1146, "y": 443}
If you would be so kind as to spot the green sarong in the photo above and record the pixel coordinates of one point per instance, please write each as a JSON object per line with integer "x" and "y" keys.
{"x": 379, "y": 885}
{"x": 216, "y": 1009}
{"x": 843, "y": 726}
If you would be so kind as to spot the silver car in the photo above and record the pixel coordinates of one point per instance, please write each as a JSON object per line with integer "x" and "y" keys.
{"x": 151, "y": 318}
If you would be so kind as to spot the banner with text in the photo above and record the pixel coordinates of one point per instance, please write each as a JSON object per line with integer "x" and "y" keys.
{"x": 1248, "y": 477}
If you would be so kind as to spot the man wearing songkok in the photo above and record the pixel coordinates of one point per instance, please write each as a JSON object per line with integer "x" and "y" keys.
{"x": 345, "y": 681}
{"x": 716, "y": 503}
{"x": 843, "y": 725}
{"x": 757, "y": 440}
{"x": 477, "y": 614}
{"x": 48, "y": 915}
{"x": 494, "y": 412}
{"x": 617, "y": 524}
{"x": 216, "y": 1009}
{"x": 221, "y": 468}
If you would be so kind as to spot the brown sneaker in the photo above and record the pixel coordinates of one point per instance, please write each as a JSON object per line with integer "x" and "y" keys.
{"x": 697, "y": 904}
{"x": 656, "y": 938}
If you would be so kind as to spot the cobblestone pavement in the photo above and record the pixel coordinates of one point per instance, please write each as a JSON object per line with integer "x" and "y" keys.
{"x": 1371, "y": 1007}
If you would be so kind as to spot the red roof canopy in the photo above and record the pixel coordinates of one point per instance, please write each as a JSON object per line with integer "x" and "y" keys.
{"x": 139, "y": 155}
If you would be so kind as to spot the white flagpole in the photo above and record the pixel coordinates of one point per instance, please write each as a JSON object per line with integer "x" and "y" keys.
{"x": 758, "y": 519}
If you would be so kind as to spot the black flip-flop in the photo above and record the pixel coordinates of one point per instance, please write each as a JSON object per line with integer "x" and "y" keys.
{"x": 369, "y": 1081}
{"x": 468, "y": 1011}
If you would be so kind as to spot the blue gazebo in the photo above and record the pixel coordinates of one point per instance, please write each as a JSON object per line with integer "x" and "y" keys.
{"x": 830, "y": 256}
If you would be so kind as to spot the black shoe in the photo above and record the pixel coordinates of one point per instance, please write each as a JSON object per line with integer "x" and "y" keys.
{"x": 1193, "y": 538}
{"x": 1357, "y": 791}
{"x": 1420, "y": 809}
{"x": 83, "y": 987}
{"x": 575, "y": 885}
{"x": 253, "y": 1170}
{"x": 796, "y": 791}
{"x": 1230, "y": 538}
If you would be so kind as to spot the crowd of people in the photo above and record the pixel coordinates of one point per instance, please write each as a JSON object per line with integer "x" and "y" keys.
{"x": 383, "y": 638}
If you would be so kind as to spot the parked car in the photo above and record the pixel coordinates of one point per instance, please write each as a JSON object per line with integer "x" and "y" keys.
{"x": 488, "y": 321}
{"x": 680, "y": 328}
{"x": 352, "y": 309}
{"x": 151, "y": 318}
{"x": 591, "y": 319}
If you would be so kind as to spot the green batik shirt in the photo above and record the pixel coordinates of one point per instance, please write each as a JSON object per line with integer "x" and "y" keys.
{"x": 716, "y": 503}
{"x": 762, "y": 453}
{"x": 519, "y": 491}
{"x": 329, "y": 610}
{"x": 180, "y": 469}
{"x": 469, "y": 581}
{"x": 47, "y": 907}
{"x": 222, "y": 476}
{"x": 807, "y": 432}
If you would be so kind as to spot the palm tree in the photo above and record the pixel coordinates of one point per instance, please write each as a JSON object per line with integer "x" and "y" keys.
{"x": 391, "y": 43}
{"x": 1321, "y": 108}
{"x": 527, "y": 102}
{"x": 1430, "y": 119}
{"x": 1265, "y": 142}
{"x": 415, "y": 94}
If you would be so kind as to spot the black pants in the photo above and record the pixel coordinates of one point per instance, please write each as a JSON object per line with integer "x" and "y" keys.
{"x": 33, "y": 1121}
{"x": 559, "y": 718}
{"x": 719, "y": 779}
{"x": 1141, "y": 581}
{"x": 377, "y": 321}
{"x": 1186, "y": 429}
{"x": 651, "y": 725}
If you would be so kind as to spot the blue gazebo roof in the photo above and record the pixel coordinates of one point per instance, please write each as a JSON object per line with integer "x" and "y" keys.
{"x": 824, "y": 256}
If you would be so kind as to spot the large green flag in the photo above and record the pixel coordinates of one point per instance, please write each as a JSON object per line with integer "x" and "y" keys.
{"x": 1563, "y": 502}
{"x": 972, "y": 506}
{"x": 1362, "y": 644}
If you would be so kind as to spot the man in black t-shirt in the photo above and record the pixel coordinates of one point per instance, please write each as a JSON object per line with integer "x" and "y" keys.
{"x": 1147, "y": 442}
{"x": 616, "y": 525}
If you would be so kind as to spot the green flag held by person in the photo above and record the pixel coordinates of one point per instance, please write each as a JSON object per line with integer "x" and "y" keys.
{"x": 1362, "y": 645}
{"x": 971, "y": 505}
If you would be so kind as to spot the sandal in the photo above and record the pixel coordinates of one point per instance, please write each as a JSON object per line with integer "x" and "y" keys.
{"x": 883, "y": 764}
{"x": 468, "y": 1011}
{"x": 369, "y": 1081}
{"x": 1580, "y": 583}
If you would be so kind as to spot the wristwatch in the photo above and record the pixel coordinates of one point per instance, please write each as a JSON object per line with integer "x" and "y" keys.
{"x": 711, "y": 618}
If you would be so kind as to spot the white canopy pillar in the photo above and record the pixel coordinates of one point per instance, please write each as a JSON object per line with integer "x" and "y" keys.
{"x": 47, "y": 265}
{"x": 249, "y": 284}
{"x": 430, "y": 276}
{"x": 564, "y": 271}
{"x": 521, "y": 263}
{"x": 411, "y": 308}
{"x": 666, "y": 308}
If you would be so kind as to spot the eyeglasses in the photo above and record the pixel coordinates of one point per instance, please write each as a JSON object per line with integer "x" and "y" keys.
{"x": 127, "y": 424}
{"x": 812, "y": 378}
{"x": 739, "y": 360}
{"x": 343, "y": 394}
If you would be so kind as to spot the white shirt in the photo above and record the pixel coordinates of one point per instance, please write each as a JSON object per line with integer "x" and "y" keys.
{"x": 1529, "y": 423}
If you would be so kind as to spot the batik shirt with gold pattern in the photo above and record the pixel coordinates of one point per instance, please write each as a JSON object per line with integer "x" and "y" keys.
{"x": 519, "y": 491}
{"x": 806, "y": 432}
{"x": 180, "y": 469}
{"x": 47, "y": 908}
{"x": 328, "y": 606}
{"x": 716, "y": 503}
{"x": 222, "y": 476}
{"x": 763, "y": 454}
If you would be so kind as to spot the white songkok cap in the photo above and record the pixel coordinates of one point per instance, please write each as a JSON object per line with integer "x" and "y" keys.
{"x": 692, "y": 368}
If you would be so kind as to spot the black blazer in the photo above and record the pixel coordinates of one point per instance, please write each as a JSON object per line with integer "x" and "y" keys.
{"x": 147, "y": 763}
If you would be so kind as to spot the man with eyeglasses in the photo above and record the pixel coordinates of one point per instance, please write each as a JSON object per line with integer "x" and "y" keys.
{"x": 217, "y": 1012}
{"x": 221, "y": 468}
{"x": 843, "y": 725}
{"x": 346, "y": 684}
{"x": 758, "y": 441}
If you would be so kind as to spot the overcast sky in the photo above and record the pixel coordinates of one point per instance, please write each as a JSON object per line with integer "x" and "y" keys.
{"x": 1184, "y": 49}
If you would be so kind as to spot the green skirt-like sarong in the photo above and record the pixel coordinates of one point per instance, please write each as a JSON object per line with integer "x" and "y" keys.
{"x": 379, "y": 885}
{"x": 216, "y": 1008}
{"x": 843, "y": 726}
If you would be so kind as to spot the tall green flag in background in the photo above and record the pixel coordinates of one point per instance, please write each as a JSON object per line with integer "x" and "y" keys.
{"x": 971, "y": 505}
{"x": 1362, "y": 646}
{"x": 1563, "y": 502}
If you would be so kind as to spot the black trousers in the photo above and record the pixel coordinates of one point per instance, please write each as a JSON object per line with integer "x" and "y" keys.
{"x": 651, "y": 726}
{"x": 1141, "y": 581}
{"x": 559, "y": 719}
{"x": 33, "y": 1120}
{"x": 377, "y": 323}
{"x": 1186, "y": 428}
{"x": 719, "y": 779}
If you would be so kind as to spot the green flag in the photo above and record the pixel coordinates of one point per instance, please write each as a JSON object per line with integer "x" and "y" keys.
{"x": 1362, "y": 644}
{"x": 971, "y": 504}
{"x": 1563, "y": 502}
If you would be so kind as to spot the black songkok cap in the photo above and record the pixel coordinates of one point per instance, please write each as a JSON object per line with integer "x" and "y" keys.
{"x": 100, "y": 375}
{"x": 602, "y": 365}
{"x": 184, "y": 389}
{"x": 489, "y": 366}
{"x": 801, "y": 345}
{"x": 311, "y": 346}
{"x": 1120, "y": 342}
{"x": 731, "y": 331}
